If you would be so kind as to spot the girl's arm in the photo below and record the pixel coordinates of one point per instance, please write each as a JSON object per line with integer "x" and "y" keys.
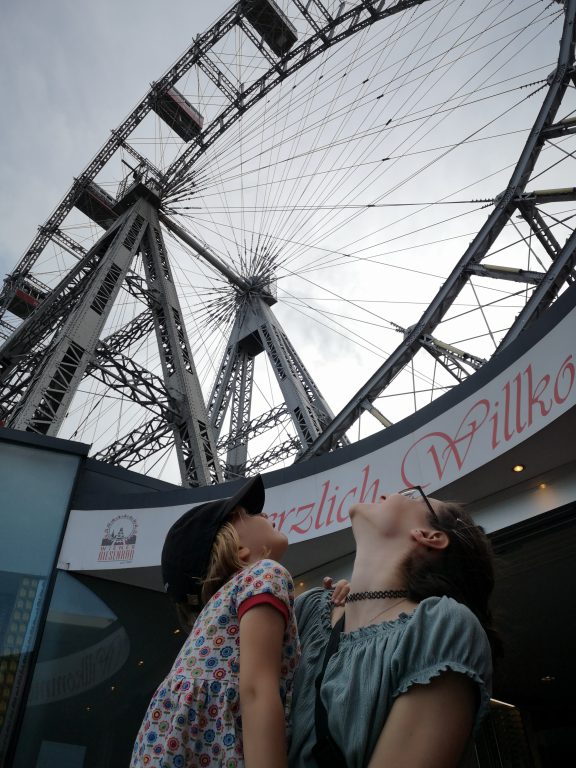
{"x": 263, "y": 725}
{"x": 429, "y": 725}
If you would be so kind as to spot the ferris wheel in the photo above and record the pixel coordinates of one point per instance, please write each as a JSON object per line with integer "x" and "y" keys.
{"x": 323, "y": 216}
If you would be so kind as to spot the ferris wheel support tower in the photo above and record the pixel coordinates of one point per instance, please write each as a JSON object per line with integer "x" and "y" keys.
{"x": 78, "y": 327}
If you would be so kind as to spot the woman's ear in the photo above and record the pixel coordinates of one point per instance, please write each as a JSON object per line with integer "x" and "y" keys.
{"x": 431, "y": 538}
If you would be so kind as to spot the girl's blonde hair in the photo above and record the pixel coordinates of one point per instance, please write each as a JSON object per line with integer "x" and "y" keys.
{"x": 224, "y": 560}
{"x": 224, "y": 563}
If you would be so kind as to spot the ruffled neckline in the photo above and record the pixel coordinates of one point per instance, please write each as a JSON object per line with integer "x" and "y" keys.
{"x": 377, "y": 629}
{"x": 363, "y": 632}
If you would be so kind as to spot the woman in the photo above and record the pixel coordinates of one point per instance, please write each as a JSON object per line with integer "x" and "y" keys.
{"x": 411, "y": 676}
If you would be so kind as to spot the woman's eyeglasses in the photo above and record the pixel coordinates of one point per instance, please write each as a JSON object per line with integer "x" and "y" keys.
{"x": 416, "y": 492}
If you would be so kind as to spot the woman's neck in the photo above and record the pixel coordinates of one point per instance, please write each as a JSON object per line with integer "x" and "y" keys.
{"x": 376, "y": 568}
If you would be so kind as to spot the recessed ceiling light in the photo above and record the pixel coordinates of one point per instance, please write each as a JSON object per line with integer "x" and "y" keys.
{"x": 518, "y": 468}
{"x": 543, "y": 486}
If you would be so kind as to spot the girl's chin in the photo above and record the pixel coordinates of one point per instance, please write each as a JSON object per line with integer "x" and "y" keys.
{"x": 353, "y": 511}
{"x": 280, "y": 547}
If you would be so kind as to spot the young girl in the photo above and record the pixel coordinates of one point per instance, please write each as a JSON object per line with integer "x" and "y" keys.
{"x": 226, "y": 700}
{"x": 410, "y": 674}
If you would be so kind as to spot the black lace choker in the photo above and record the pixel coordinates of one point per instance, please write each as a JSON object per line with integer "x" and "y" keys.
{"x": 377, "y": 595}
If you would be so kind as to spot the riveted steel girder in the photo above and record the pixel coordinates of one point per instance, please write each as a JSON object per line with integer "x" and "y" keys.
{"x": 195, "y": 441}
{"x": 51, "y": 389}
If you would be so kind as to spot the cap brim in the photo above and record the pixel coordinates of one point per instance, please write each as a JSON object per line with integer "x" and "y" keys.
{"x": 250, "y": 497}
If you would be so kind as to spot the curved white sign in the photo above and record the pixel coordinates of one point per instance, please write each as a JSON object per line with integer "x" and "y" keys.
{"x": 537, "y": 388}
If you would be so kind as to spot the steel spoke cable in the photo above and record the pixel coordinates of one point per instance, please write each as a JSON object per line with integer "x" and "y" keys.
{"x": 350, "y": 206}
{"x": 492, "y": 303}
{"x": 431, "y": 162}
{"x": 313, "y": 98}
{"x": 480, "y": 336}
{"x": 346, "y": 333}
{"x": 408, "y": 393}
{"x": 327, "y": 313}
{"x": 348, "y": 117}
{"x": 521, "y": 11}
{"x": 283, "y": 116}
{"x": 228, "y": 179}
{"x": 560, "y": 222}
{"x": 356, "y": 257}
{"x": 312, "y": 183}
{"x": 392, "y": 265}
{"x": 331, "y": 51}
{"x": 334, "y": 294}
{"x": 409, "y": 215}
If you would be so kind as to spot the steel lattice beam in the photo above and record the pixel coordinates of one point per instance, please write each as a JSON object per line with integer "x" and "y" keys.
{"x": 108, "y": 354}
{"x": 451, "y": 359}
{"x": 195, "y": 443}
{"x": 52, "y": 312}
{"x": 257, "y": 426}
{"x": 121, "y": 374}
{"x": 156, "y": 435}
{"x": 256, "y": 330}
{"x": 538, "y": 226}
{"x": 202, "y": 44}
{"x": 547, "y": 291}
{"x": 272, "y": 456}
{"x": 50, "y": 391}
{"x": 133, "y": 283}
{"x": 240, "y": 415}
{"x": 512, "y": 274}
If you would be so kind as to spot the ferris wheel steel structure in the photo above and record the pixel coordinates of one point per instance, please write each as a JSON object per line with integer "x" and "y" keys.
{"x": 59, "y": 337}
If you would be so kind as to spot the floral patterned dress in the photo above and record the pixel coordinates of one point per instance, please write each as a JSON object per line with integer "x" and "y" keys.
{"x": 194, "y": 718}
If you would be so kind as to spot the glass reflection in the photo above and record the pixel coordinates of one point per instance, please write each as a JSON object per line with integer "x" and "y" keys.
{"x": 89, "y": 692}
{"x": 35, "y": 487}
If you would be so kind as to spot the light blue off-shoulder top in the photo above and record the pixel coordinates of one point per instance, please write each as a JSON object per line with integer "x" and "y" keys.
{"x": 376, "y": 664}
